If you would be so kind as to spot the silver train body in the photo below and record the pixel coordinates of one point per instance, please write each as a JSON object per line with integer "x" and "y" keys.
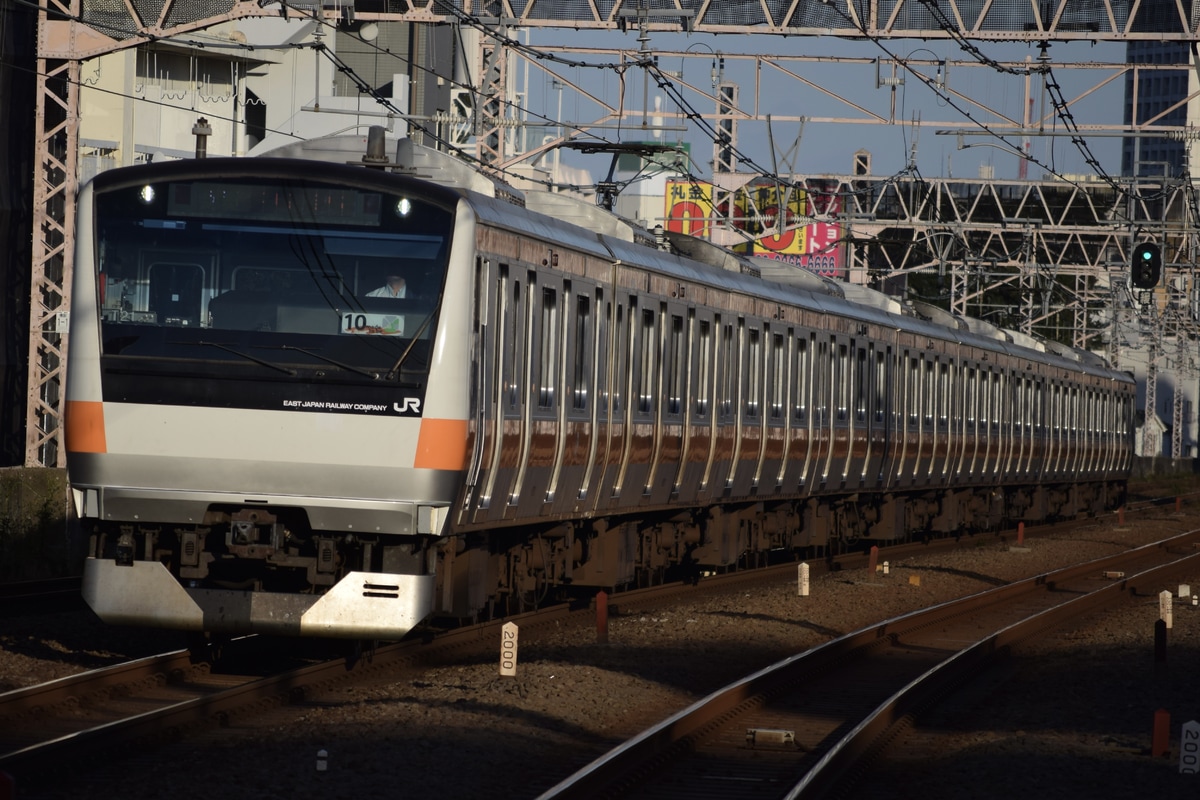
{"x": 258, "y": 442}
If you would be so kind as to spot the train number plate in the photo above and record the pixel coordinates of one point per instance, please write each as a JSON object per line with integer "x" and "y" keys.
{"x": 364, "y": 323}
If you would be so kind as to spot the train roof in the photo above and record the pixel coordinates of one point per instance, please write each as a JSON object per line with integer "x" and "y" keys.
{"x": 583, "y": 226}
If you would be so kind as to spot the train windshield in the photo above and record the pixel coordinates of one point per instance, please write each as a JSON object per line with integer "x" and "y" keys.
{"x": 282, "y": 276}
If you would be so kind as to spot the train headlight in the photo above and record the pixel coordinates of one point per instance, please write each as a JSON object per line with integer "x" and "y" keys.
{"x": 146, "y": 195}
{"x": 404, "y": 207}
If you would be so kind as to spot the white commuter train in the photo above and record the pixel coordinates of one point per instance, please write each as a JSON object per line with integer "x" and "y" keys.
{"x": 258, "y": 443}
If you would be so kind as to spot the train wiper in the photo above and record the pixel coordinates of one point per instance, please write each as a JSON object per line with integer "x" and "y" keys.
{"x": 246, "y": 356}
{"x": 372, "y": 375}
{"x": 411, "y": 343}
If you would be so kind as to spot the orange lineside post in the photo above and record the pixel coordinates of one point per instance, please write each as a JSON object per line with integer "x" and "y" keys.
{"x": 1020, "y": 533}
{"x": 1160, "y": 745}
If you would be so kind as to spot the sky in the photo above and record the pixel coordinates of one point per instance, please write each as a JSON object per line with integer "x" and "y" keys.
{"x": 826, "y": 147}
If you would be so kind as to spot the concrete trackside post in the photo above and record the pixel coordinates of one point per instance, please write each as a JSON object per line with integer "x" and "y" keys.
{"x": 508, "y": 650}
{"x": 602, "y": 617}
{"x": 1189, "y": 748}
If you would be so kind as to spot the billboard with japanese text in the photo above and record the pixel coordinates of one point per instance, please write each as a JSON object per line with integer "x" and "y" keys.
{"x": 816, "y": 246}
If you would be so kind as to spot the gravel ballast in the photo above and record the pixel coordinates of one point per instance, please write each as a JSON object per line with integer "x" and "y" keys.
{"x": 1071, "y": 715}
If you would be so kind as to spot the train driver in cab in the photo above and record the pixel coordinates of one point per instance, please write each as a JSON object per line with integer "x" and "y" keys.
{"x": 395, "y": 288}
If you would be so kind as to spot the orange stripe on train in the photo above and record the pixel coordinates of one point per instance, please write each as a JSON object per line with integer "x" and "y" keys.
{"x": 84, "y": 423}
{"x": 442, "y": 444}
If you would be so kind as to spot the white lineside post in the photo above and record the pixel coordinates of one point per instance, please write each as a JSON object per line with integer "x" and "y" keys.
{"x": 1185, "y": 590}
{"x": 508, "y": 650}
{"x": 1164, "y": 607}
{"x": 1189, "y": 748}
{"x": 802, "y": 579}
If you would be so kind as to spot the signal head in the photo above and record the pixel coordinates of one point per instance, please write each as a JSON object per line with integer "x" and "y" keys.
{"x": 1146, "y": 266}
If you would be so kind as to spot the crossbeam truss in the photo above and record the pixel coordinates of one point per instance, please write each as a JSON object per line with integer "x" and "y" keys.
{"x": 1044, "y": 20}
{"x": 71, "y": 31}
{"x": 1051, "y": 258}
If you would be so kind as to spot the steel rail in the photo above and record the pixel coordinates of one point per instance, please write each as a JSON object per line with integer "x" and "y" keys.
{"x": 610, "y": 775}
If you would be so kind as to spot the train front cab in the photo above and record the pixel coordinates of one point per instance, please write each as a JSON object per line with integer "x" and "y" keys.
{"x": 257, "y": 443}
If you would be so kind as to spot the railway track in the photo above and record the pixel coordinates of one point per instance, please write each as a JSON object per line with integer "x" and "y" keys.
{"x": 100, "y": 714}
{"x": 49, "y": 595}
{"x": 811, "y": 724}
{"x": 95, "y": 715}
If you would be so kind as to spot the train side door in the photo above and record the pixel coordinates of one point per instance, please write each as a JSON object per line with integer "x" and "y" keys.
{"x": 598, "y": 402}
{"x": 541, "y": 422}
{"x": 577, "y": 406}
{"x": 1025, "y": 420}
{"x": 612, "y": 445}
{"x": 838, "y": 450}
{"x": 749, "y": 408}
{"x": 1053, "y": 428}
{"x": 725, "y": 411}
{"x": 987, "y": 421}
{"x": 893, "y": 388}
{"x": 668, "y": 380}
{"x": 698, "y": 394}
{"x": 641, "y": 361}
{"x": 484, "y": 427}
{"x": 858, "y": 390}
{"x": 906, "y": 419}
{"x": 925, "y": 427}
{"x": 797, "y": 460}
{"x": 777, "y": 418}
{"x": 970, "y": 437}
{"x": 878, "y": 416}
{"x": 502, "y": 456}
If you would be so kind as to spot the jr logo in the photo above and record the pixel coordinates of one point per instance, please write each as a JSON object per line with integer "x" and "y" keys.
{"x": 410, "y": 404}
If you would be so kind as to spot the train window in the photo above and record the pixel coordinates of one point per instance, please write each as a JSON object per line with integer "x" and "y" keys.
{"x": 548, "y": 366}
{"x": 944, "y": 395}
{"x": 971, "y": 399}
{"x": 647, "y": 368}
{"x": 603, "y": 318}
{"x": 583, "y": 341}
{"x": 821, "y": 372}
{"x": 840, "y": 367}
{"x": 727, "y": 377}
{"x": 704, "y": 364}
{"x": 753, "y": 372}
{"x": 986, "y": 408}
{"x": 930, "y": 388}
{"x": 880, "y": 385}
{"x": 286, "y": 261}
{"x": 620, "y": 357}
{"x": 861, "y": 374}
{"x": 1030, "y": 411}
{"x": 914, "y": 391}
{"x": 995, "y": 404}
{"x": 778, "y": 379}
{"x": 676, "y": 367}
{"x": 802, "y": 380}
{"x": 1037, "y": 408}
{"x": 514, "y": 343}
